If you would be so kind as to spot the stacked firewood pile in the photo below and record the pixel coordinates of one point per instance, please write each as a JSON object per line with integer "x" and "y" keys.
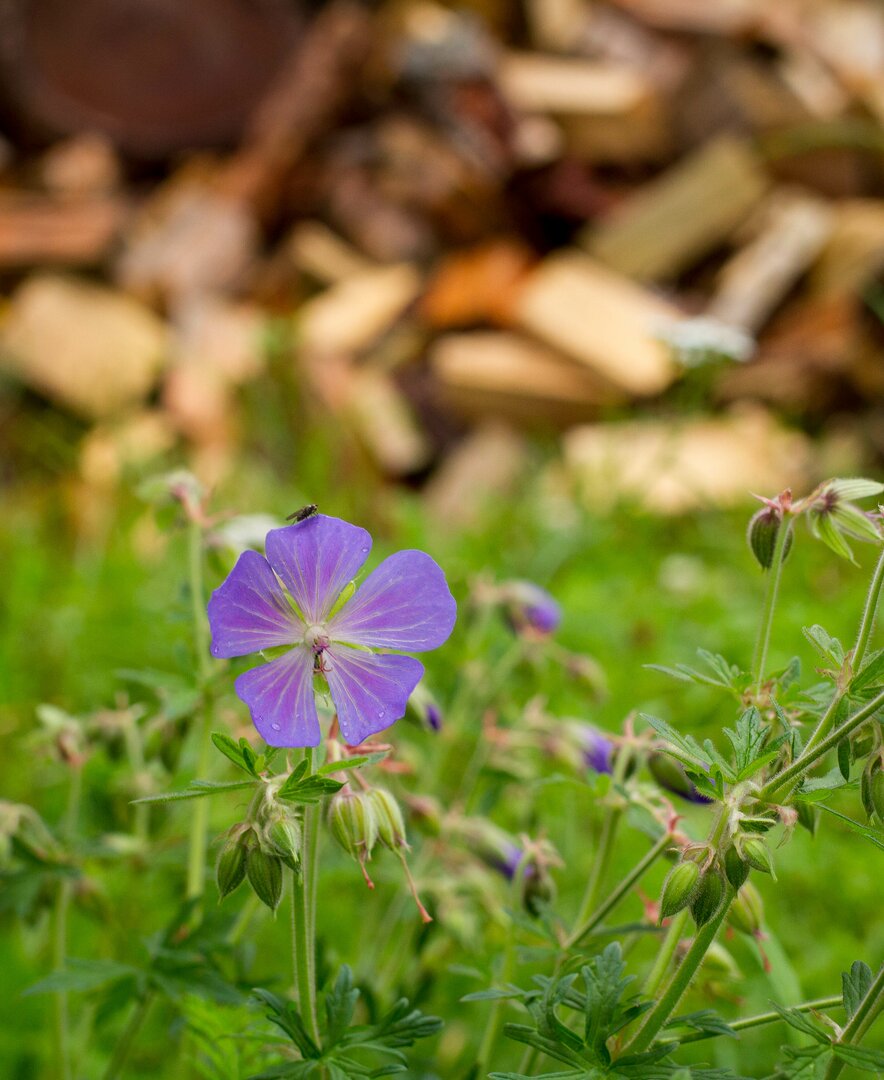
{"x": 470, "y": 219}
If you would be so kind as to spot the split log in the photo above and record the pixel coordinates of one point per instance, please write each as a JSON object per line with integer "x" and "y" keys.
{"x": 601, "y": 319}
{"x": 85, "y": 347}
{"x": 755, "y": 280}
{"x": 489, "y": 373}
{"x": 48, "y": 230}
{"x": 683, "y": 214}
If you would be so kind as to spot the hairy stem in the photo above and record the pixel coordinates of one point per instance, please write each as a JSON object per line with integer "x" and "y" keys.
{"x": 811, "y": 755}
{"x": 489, "y": 1038}
{"x": 199, "y": 821}
{"x": 665, "y": 954}
{"x": 621, "y": 890}
{"x": 774, "y": 573}
{"x": 867, "y": 1012}
{"x": 864, "y": 633}
{"x": 762, "y": 1019}
{"x": 128, "y": 1037}
{"x": 680, "y": 981}
{"x": 304, "y": 918}
{"x": 605, "y": 849}
{"x": 60, "y": 928}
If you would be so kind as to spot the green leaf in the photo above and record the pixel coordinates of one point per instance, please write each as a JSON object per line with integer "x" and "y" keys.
{"x": 706, "y": 1021}
{"x": 855, "y": 985}
{"x": 803, "y": 1022}
{"x": 828, "y": 647}
{"x": 350, "y": 763}
{"x": 860, "y": 1057}
{"x": 854, "y": 826}
{"x": 198, "y": 789}
{"x": 856, "y": 487}
{"x": 748, "y": 740}
{"x": 82, "y": 975}
{"x": 871, "y": 674}
{"x": 231, "y": 750}
{"x": 825, "y": 529}
{"x": 340, "y": 1004}
{"x": 683, "y": 747}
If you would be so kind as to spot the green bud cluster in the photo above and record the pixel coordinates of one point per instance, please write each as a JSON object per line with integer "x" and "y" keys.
{"x": 764, "y": 528}
{"x": 258, "y": 850}
{"x": 354, "y": 823}
{"x": 754, "y": 851}
{"x": 746, "y": 913}
{"x": 679, "y": 888}
{"x": 872, "y": 788}
{"x": 708, "y": 896}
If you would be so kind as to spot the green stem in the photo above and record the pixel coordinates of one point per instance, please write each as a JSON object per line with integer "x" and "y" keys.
{"x": 130, "y": 1033}
{"x": 867, "y": 1012}
{"x": 304, "y": 918}
{"x": 681, "y": 979}
{"x": 763, "y": 1018}
{"x": 606, "y": 843}
{"x": 665, "y": 954}
{"x": 489, "y": 1038}
{"x": 864, "y": 633}
{"x": 774, "y": 573}
{"x": 60, "y": 929}
{"x": 811, "y": 755}
{"x": 199, "y": 821}
{"x": 617, "y": 895}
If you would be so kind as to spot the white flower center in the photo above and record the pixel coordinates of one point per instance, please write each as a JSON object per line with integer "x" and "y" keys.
{"x": 316, "y": 637}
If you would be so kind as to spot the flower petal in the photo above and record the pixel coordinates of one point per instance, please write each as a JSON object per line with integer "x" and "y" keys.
{"x": 370, "y": 691}
{"x": 249, "y": 611}
{"x": 316, "y": 558}
{"x": 280, "y": 698}
{"x": 404, "y": 604}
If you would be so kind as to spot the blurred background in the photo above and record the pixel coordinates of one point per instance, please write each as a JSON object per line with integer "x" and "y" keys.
{"x": 547, "y": 287}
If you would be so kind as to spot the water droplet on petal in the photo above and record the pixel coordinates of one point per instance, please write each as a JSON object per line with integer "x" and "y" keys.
{"x": 365, "y": 550}
{"x": 382, "y": 713}
{"x": 276, "y": 727}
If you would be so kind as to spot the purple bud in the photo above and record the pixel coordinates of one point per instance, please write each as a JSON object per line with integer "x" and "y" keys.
{"x": 434, "y": 717}
{"x": 530, "y": 609}
{"x": 670, "y": 775}
{"x": 506, "y": 860}
{"x": 598, "y": 750}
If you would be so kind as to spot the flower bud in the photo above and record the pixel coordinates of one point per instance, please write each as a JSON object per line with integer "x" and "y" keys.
{"x": 746, "y": 913}
{"x": 388, "y": 815}
{"x": 264, "y": 872}
{"x": 598, "y": 750}
{"x": 872, "y": 789}
{"x": 670, "y": 775}
{"x": 736, "y": 870}
{"x": 762, "y": 533}
{"x": 808, "y": 816}
{"x": 353, "y": 824}
{"x": 708, "y": 897}
{"x": 754, "y": 851}
{"x": 538, "y": 889}
{"x": 230, "y": 869}
{"x": 679, "y": 888}
{"x": 530, "y": 610}
{"x": 285, "y": 837}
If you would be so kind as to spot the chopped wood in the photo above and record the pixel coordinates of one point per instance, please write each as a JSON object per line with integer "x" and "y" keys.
{"x": 490, "y": 372}
{"x": 601, "y": 319}
{"x": 350, "y": 316}
{"x": 85, "y": 347}
{"x": 481, "y": 470}
{"x": 317, "y": 250}
{"x": 672, "y": 468}
{"x": 855, "y": 250}
{"x": 534, "y": 82}
{"x": 51, "y": 230}
{"x": 83, "y": 165}
{"x": 478, "y": 285}
{"x": 385, "y": 423}
{"x": 755, "y": 280}
{"x": 683, "y": 214}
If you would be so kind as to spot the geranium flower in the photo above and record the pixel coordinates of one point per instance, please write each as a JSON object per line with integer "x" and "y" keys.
{"x": 405, "y": 604}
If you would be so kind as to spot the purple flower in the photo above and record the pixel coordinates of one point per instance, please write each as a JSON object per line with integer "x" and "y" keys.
{"x": 598, "y": 750}
{"x": 404, "y": 604}
{"x": 671, "y": 776}
{"x": 530, "y": 609}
